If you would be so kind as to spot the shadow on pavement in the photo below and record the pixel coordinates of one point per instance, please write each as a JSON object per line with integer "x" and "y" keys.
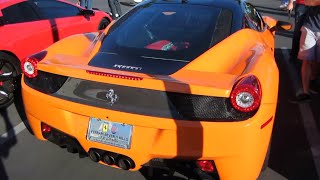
{"x": 6, "y": 142}
{"x": 158, "y": 174}
{"x": 18, "y": 102}
{"x": 181, "y": 106}
{"x": 290, "y": 152}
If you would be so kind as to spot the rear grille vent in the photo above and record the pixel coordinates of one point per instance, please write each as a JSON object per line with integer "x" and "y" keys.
{"x": 198, "y": 107}
{"x": 46, "y": 82}
{"x": 147, "y": 102}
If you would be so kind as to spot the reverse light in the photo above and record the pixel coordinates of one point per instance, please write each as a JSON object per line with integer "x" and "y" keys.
{"x": 206, "y": 166}
{"x": 246, "y": 95}
{"x": 29, "y": 64}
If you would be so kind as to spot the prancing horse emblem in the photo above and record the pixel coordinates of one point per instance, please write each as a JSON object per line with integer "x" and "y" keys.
{"x": 111, "y": 97}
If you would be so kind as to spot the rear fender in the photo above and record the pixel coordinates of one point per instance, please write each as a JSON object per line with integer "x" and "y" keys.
{"x": 264, "y": 67}
{"x": 75, "y": 45}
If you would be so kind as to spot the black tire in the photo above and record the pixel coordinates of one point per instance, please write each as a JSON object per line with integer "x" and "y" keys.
{"x": 103, "y": 24}
{"x": 8, "y": 64}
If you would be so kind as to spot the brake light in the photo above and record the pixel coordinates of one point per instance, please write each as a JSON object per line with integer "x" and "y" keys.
{"x": 246, "y": 95}
{"x": 29, "y": 64}
{"x": 115, "y": 75}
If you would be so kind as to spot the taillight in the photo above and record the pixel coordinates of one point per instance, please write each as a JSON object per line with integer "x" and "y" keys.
{"x": 45, "y": 82}
{"x": 29, "y": 64}
{"x": 246, "y": 95}
{"x": 29, "y": 67}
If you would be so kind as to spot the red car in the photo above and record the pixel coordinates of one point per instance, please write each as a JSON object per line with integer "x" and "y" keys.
{"x": 27, "y": 27}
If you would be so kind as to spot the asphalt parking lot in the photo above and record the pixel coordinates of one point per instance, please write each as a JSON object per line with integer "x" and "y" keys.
{"x": 295, "y": 148}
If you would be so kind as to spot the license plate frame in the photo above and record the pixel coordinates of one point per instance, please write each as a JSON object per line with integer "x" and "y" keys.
{"x": 110, "y": 133}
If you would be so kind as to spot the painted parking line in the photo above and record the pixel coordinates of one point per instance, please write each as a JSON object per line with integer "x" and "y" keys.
{"x": 12, "y": 132}
{"x": 309, "y": 123}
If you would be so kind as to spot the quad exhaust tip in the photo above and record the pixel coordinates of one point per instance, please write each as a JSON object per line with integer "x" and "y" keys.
{"x": 111, "y": 158}
{"x": 108, "y": 159}
{"x": 124, "y": 164}
{"x": 94, "y": 156}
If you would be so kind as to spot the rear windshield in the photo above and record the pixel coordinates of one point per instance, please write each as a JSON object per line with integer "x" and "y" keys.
{"x": 168, "y": 31}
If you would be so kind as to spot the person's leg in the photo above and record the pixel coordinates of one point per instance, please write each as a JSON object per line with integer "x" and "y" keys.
{"x": 314, "y": 79}
{"x": 300, "y": 10}
{"x": 112, "y": 8}
{"x": 306, "y": 70}
{"x": 83, "y": 3}
{"x": 307, "y": 54}
{"x": 118, "y": 8}
{"x": 89, "y": 4}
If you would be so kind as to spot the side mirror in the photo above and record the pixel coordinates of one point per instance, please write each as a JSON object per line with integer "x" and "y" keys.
{"x": 275, "y": 25}
{"x": 1, "y": 19}
{"x": 281, "y": 26}
{"x": 87, "y": 12}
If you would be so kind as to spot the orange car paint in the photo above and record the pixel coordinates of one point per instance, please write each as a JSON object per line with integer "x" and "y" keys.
{"x": 238, "y": 148}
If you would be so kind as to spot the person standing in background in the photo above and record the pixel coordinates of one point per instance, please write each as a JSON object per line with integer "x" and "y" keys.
{"x": 115, "y": 8}
{"x": 284, "y": 4}
{"x": 309, "y": 51}
{"x": 86, "y": 4}
{"x": 299, "y": 14}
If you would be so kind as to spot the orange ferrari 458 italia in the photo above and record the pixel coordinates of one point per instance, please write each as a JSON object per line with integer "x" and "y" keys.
{"x": 188, "y": 82}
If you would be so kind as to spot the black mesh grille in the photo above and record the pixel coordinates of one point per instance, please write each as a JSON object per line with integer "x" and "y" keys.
{"x": 196, "y": 107}
{"x": 46, "y": 82}
{"x": 148, "y": 102}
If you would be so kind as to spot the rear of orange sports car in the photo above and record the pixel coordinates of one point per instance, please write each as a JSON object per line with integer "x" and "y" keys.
{"x": 190, "y": 81}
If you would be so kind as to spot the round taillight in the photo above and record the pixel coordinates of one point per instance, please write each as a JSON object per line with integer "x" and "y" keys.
{"x": 29, "y": 67}
{"x": 29, "y": 64}
{"x": 246, "y": 95}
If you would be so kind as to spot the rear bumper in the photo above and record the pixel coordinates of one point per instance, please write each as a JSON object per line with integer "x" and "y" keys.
{"x": 237, "y": 148}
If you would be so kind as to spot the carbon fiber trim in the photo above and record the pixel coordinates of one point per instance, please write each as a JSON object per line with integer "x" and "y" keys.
{"x": 150, "y": 102}
{"x": 47, "y": 83}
